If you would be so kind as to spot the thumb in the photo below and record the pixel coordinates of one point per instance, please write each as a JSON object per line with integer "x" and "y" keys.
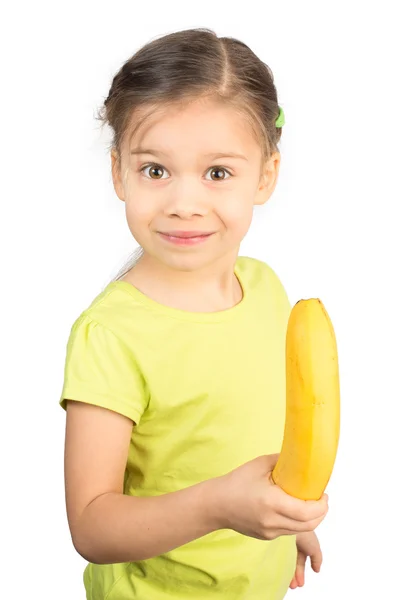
{"x": 271, "y": 460}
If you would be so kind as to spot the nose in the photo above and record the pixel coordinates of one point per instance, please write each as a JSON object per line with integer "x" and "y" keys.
{"x": 186, "y": 198}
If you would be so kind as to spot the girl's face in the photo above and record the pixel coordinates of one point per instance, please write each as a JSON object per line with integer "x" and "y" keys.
{"x": 177, "y": 175}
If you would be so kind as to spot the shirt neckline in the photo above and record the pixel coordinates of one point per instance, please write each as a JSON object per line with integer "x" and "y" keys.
{"x": 185, "y": 315}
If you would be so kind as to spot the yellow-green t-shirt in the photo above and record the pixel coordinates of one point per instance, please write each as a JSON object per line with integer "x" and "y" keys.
{"x": 207, "y": 394}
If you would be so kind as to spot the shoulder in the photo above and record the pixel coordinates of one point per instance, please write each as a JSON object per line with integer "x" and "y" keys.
{"x": 255, "y": 269}
{"x": 110, "y": 309}
{"x": 101, "y": 334}
{"x": 264, "y": 283}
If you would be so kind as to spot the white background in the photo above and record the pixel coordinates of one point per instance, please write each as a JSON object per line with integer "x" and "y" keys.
{"x": 330, "y": 230}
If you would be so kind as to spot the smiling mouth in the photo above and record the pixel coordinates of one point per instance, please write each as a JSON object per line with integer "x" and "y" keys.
{"x": 186, "y": 234}
{"x": 186, "y": 240}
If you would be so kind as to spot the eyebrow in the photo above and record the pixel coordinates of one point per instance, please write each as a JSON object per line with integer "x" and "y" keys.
{"x": 211, "y": 155}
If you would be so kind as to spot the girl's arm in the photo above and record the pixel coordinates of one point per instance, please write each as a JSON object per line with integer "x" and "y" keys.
{"x": 110, "y": 527}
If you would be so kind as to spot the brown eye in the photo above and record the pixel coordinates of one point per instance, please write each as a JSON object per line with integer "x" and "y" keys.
{"x": 155, "y": 169}
{"x": 219, "y": 171}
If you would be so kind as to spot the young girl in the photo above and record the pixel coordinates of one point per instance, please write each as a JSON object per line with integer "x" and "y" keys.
{"x": 174, "y": 381}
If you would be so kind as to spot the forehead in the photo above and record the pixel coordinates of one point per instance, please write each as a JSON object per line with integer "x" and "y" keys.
{"x": 204, "y": 126}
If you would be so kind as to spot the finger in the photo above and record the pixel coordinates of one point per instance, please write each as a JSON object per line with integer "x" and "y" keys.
{"x": 293, "y": 584}
{"x": 299, "y": 510}
{"x": 316, "y": 558}
{"x": 303, "y": 510}
{"x": 289, "y": 526}
{"x": 293, "y": 529}
{"x": 301, "y": 562}
{"x": 316, "y": 563}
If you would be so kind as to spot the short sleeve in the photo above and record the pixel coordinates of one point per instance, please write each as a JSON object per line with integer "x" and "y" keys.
{"x": 100, "y": 369}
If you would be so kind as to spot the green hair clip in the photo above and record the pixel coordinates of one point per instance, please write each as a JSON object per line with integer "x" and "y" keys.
{"x": 281, "y": 118}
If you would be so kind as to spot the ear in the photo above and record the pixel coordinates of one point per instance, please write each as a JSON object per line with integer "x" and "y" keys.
{"x": 116, "y": 175}
{"x": 268, "y": 179}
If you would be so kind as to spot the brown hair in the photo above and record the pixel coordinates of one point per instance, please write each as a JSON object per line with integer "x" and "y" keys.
{"x": 187, "y": 65}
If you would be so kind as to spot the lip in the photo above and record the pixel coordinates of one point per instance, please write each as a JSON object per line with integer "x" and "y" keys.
{"x": 185, "y": 234}
{"x": 186, "y": 238}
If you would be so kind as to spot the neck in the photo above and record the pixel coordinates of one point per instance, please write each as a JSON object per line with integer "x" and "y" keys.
{"x": 210, "y": 288}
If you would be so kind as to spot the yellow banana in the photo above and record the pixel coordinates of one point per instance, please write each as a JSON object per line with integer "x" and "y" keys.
{"x": 312, "y": 424}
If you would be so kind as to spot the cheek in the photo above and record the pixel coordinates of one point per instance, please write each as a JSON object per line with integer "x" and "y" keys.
{"x": 138, "y": 211}
{"x": 237, "y": 215}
